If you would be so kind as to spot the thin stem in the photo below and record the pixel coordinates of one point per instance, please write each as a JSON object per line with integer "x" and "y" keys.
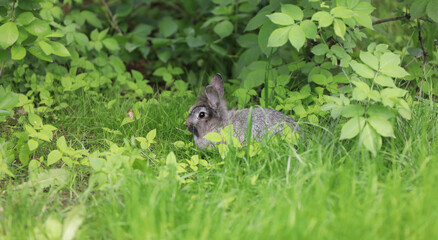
{"x": 12, "y": 10}
{"x": 113, "y": 19}
{"x": 385, "y": 20}
{"x": 420, "y": 38}
{"x": 415, "y": 58}
{"x": 1, "y": 68}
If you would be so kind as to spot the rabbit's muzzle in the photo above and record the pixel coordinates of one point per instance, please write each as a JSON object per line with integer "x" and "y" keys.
{"x": 191, "y": 128}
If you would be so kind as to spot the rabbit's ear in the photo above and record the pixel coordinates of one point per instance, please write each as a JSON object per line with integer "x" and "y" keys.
{"x": 212, "y": 96}
{"x": 217, "y": 82}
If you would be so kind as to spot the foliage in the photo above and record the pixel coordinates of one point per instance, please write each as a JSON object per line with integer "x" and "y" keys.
{"x": 94, "y": 94}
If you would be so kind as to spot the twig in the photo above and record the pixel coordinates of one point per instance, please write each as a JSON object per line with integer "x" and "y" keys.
{"x": 1, "y": 68}
{"x": 12, "y": 10}
{"x": 420, "y": 38}
{"x": 10, "y": 19}
{"x": 113, "y": 19}
{"x": 415, "y": 58}
{"x": 385, "y": 20}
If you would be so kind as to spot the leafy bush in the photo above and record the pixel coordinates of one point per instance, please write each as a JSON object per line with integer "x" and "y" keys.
{"x": 308, "y": 60}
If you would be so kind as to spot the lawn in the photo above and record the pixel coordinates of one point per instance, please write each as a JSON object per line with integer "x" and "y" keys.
{"x": 320, "y": 188}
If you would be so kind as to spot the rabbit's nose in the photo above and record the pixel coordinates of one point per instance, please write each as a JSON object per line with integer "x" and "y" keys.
{"x": 188, "y": 125}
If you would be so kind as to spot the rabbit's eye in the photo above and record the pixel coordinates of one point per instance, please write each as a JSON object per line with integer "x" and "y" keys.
{"x": 201, "y": 114}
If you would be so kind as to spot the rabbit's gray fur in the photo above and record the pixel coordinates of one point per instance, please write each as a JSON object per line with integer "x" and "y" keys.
{"x": 210, "y": 114}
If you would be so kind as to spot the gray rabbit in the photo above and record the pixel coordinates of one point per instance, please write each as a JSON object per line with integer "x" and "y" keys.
{"x": 210, "y": 114}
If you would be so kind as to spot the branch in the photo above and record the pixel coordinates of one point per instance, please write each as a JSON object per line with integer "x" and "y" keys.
{"x": 415, "y": 58}
{"x": 1, "y": 68}
{"x": 420, "y": 38}
{"x": 12, "y": 10}
{"x": 384, "y": 21}
{"x": 113, "y": 19}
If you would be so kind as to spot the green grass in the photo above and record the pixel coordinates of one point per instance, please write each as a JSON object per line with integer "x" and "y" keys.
{"x": 323, "y": 189}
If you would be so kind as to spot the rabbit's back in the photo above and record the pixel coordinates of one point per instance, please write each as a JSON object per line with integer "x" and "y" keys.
{"x": 264, "y": 120}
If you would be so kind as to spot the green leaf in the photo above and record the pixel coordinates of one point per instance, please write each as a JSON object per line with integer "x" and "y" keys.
{"x": 223, "y": 29}
{"x": 320, "y": 49}
{"x": 381, "y": 111}
{"x": 179, "y": 144}
{"x": 394, "y": 71}
{"x": 9, "y": 34}
{"x": 342, "y": 12}
{"x": 309, "y": 29}
{"x": 194, "y": 42}
{"x": 319, "y": 79}
{"x": 393, "y": 92}
{"x": 124, "y": 10}
{"x": 151, "y": 135}
{"x": 91, "y": 18}
{"x": 360, "y": 94}
{"x": 167, "y": 27}
{"x": 126, "y": 120}
{"x": 432, "y": 10}
{"x": 214, "y": 137}
{"x": 96, "y": 163}
{"x": 300, "y": 110}
{"x": 297, "y": 37}
{"x": 4, "y": 113}
{"x": 293, "y": 11}
{"x": 171, "y": 160}
{"x": 248, "y": 40}
{"x": 263, "y": 36}
{"x": 324, "y": 19}
{"x": 73, "y": 221}
{"x": 218, "y": 50}
{"x": 381, "y": 125}
{"x": 279, "y": 37}
{"x": 405, "y": 113}
{"x": 352, "y": 128}
{"x": 59, "y": 49}
{"x": 54, "y": 156}
{"x": 370, "y": 139}
{"x": 340, "y": 28}
{"x": 4, "y": 55}
{"x": 117, "y": 64}
{"x": 364, "y": 20}
{"x": 61, "y": 144}
{"x": 25, "y": 18}
{"x": 33, "y": 165}
{"x": 32, "y": 145}
{"x": 81, "y": 39}
{"x": 361, "y": 85}
{"x": 385, "y": 81}
{"x": 35, "y": 120}
{"x": 18, "y": 52}
{"x": 47, "y": 48}
{"x": 353, "y": 111}
{"x": 389, "y": 59}
{"x": 259, "y": 19}
{"x": 418, "y": 8}
{"x": 38, "y": 28}
{"x": 223, "y": 150}
{"x": 281, "y": 19}
{"x": 369, "y": 59}
{"x": 53, "y": 228}
{"x": 37, "y": 52}
{"x": 364, "y": 7}
{"x": 23, "y": 155}
{"x": 362, "y": 69}
{"x": 111, "y": 44}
